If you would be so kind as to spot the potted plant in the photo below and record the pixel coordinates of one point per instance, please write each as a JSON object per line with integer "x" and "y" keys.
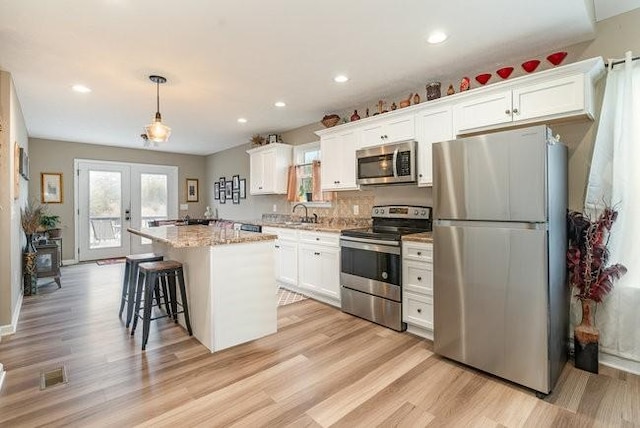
{"x": 49, "y": 223}
{"x": 591, "y": 277}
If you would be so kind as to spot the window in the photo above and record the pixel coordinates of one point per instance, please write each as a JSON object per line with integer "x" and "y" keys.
{"x": 304, "y": 156}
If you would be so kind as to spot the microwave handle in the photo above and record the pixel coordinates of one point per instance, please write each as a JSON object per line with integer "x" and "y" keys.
{"x": 395, "y": 163}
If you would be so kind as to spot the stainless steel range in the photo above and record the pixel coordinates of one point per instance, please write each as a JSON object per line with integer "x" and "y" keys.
{"x": 371, "y": 263}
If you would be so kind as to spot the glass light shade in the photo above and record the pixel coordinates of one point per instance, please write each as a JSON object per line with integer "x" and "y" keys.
{"x": 157, "y": 131}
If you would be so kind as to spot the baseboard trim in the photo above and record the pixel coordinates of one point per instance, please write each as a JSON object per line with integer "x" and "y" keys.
{"x": 619, "y": 363}
{"x": 11, "y": 328}
{"x": 69, "y": 262}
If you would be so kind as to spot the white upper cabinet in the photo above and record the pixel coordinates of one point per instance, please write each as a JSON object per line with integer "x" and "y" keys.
{"x": 432, "y": 125}
{"x": 397, "y": 128}
{"x": 268, "y": 166}
{"x": 338, "y": 161}
{"x": 532, "y": 101}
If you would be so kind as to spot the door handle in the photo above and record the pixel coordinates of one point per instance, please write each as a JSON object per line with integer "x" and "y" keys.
{"x": 127, "y": 215}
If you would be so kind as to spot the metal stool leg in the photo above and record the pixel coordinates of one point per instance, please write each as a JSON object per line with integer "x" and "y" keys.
{"x": 133, "y": 282}
{"x": 142, "y": 277}
{"x": 125, "y": 288}
{"x": 150, "y": 286}
{"x": 183, "y": 299}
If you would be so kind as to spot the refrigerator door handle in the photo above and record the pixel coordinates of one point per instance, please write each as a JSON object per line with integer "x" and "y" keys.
{"x": 492, "y": 224}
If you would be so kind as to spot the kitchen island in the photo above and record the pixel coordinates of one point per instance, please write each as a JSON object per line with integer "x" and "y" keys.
{"x": 229, "y": 278}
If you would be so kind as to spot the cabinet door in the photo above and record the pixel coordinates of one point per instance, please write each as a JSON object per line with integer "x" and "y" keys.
{"x": 372, "y": 135}
{"x": 400, "y": 128}
{"x": 432, "y": 126}
{"x": 287, "y": 262}
{"x": 320, "y": 270}
{"x": 269, "y": 171}
{"x": 482, "y": 111}
{"x": 338, "y": 161}
{"x": 310, "y": 267}
{"x": 255, "y": 173}
{"x": 330, "y": 271}
{"x": 557, "y": 98}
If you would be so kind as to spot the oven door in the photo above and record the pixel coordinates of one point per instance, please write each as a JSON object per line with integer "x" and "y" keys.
{"x": 371, "y": 266}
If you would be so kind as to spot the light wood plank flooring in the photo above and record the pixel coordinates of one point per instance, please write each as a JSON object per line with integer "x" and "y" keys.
{"x": 322, "y": 368}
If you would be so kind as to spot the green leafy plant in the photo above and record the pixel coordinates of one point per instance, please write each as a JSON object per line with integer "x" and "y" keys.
{"x": 49, "y": 221}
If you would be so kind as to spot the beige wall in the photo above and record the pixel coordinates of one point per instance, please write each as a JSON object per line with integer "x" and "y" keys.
{"x": 58, "y": 156}
{"x": 13, "y": 131}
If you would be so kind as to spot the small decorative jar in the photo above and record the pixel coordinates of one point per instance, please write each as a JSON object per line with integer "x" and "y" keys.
{"x": 433, "y": 91}
{"x": 355, "y": 116}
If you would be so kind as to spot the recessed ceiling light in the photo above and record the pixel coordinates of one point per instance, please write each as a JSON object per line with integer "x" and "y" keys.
{"x": 81, "y": 88}
{"x": 341, "y": 78}
{"x": 436, "y": 37}
{"x": 242, "y": 120}
{"x": 280, "y": 104}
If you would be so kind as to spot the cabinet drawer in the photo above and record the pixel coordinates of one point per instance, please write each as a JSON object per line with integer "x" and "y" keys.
{"x": 321, "y": 238}
{"x": 418, "y": 277}
{"x": 417, "y": 310}
{"x": 283, "y": 233}
{"x": 417, "y": 251}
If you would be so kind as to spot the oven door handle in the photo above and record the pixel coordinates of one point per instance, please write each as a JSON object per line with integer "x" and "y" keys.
{"x": 371, "y": 245}
{"x": 395, "y": 163}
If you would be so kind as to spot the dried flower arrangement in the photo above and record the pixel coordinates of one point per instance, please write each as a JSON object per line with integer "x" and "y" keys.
{"x": 31, "y": 216}
{"x": 258, "y": 140}
{"x": 588, "y": 255}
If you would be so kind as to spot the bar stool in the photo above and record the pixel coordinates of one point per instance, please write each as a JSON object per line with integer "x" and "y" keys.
{"x": 152, "y": 275}
{"x": 129, "y": 281}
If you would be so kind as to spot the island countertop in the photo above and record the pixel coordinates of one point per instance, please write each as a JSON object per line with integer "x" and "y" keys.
{"x": 199, "y": 235}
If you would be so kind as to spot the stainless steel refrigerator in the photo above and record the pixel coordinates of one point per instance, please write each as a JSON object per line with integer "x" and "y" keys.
{"x": 501, "y": 302}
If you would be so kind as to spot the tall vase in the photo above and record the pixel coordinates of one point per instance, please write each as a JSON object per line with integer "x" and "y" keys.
{"x": 30, "y": 272}
{"x": 585, "y": 339}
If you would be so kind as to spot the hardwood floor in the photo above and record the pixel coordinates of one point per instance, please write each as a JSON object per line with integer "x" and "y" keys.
{"x": 322, "y": 368}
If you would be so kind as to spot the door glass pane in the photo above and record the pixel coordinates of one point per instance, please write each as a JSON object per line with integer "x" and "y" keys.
{"x": 105, "y": 204}
{"x": 153, "y": 199}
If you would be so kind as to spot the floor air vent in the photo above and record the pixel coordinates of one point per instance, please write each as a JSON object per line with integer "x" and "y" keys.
{"x": 57, "y": 376}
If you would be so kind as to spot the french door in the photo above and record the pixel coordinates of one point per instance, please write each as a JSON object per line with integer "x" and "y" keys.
{"x": 112, "y": 196}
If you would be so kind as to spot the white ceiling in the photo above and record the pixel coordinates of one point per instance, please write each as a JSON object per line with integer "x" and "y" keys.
{"x": 230, "y": 59}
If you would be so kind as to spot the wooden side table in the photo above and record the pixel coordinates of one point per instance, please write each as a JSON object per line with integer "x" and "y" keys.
{"x": 48, "y": 261}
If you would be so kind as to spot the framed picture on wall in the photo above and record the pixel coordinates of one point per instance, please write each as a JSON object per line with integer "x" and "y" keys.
{"x": 243, "y": 188}
{"x": 223, "y": 199}
{"x": 51, "y": 188}
{"x": 228, "y": 189}
{"x": 236, "y": 197}
{"x": 236, "y": 182}
{"x": 216, "y": 190}
{"x": 192, "y": 190}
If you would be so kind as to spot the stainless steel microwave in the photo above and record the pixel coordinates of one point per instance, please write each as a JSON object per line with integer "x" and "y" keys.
{"x": 391, "y": 163}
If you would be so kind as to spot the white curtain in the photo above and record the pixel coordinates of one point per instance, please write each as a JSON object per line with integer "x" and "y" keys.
{"x": 614, "y": 179}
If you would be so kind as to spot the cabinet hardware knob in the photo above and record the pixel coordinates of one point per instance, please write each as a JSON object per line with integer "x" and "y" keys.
{"x": 277, "y": 246}
{"x": 419, "y": 278}
{"x": 419, "y": 253}
{"x": 317, "y": 254}
{"x": 419, "y": 311}
{"x": 507, "y": 111}
{"x": 515, "y": 111}
{"x": 420, "y": 175}
{"x": 317, "y": 239}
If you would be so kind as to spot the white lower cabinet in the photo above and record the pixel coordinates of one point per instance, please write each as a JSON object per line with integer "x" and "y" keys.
{"x": 308, "y": 262}
{"x": 319, "y": 265}
{"x": 417, "y": 288}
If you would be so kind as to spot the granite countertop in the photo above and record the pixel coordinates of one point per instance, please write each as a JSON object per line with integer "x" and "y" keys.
{"x": 425, "y": 237}
{"x": 326, "y": 224}
{"x": 199, "y": 235}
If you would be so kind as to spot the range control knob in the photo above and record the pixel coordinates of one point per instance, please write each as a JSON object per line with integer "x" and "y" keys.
{"x": 423, "y": 212}
{"x": 381, "y": 210}
{"x": 415, "y": 212}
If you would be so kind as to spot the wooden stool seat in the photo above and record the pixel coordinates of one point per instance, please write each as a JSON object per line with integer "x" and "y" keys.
{"x": 129, "y": 281}
{"x": 152, "y": 276}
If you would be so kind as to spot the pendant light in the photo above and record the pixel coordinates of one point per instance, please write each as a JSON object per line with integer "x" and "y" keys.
{"x": 157, "y": 131}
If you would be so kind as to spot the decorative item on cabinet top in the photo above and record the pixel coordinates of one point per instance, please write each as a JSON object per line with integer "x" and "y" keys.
{"x": 258, "y": 140}
{"x": 330, "y": 120}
